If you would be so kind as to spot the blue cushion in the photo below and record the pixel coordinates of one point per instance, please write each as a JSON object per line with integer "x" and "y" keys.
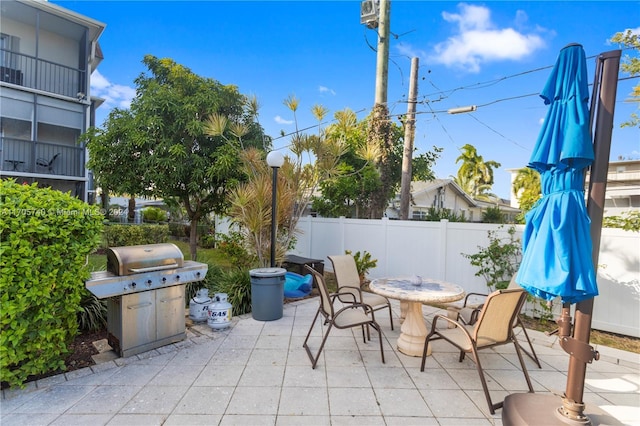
{"x": 296, "y": 285}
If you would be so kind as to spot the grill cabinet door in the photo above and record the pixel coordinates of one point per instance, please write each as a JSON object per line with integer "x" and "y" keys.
{"x": 138, "y": 319}
{"x": 170, "y": 311}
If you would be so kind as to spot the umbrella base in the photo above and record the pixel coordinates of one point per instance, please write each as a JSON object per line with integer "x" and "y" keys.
{"x": 537, "y": 409}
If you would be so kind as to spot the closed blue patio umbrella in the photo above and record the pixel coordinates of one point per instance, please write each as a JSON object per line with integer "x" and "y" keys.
{"x": 561, "y": 240}
{"x": 557, "y": 246}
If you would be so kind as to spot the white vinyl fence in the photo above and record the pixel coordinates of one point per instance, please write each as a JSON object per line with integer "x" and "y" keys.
{"x": 435, "y": 250}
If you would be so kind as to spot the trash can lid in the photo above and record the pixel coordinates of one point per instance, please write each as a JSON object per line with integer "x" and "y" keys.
{"x": 267, "y": 272}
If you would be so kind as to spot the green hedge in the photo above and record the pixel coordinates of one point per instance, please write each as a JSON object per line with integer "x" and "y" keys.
{"x": 45, "y": 238}
{"x": 131, "y": 235}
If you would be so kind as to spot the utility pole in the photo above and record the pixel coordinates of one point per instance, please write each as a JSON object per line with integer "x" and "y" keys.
{"x": 382, "y": 59}
{"x": 409, "y": 135}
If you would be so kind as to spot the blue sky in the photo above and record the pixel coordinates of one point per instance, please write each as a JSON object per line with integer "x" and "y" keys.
{"x": 496, "y": 55}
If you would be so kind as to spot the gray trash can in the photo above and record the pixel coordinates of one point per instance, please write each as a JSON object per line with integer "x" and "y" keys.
{"x": 267, "y": 293}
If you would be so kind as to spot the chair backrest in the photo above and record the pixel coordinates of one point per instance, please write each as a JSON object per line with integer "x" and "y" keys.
{"x": 495, "y": 322}
{"x": 325, "y": 300}
{"x": 344, "y": 266}
{"x": 346, "y": 271}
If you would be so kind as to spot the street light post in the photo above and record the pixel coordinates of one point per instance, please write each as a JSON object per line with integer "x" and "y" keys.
{"x": 275, "y": 160}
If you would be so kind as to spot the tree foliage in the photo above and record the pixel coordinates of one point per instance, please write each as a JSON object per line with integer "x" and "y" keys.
{"x": 351, "y": 192}
{"x": 314, "y": 159}
{"x": 161, "y": 147}
{"x": 475, "y": 176}
{"x": 526, "y": 186}
{"x": 629, "y": 39}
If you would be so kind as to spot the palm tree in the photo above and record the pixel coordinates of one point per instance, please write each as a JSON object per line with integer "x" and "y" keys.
{"x": 475, "y": 176}
{"x": 526, "y": 187}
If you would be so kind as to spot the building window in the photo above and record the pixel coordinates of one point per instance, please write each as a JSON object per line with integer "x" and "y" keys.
{"x": 418, "y": 215}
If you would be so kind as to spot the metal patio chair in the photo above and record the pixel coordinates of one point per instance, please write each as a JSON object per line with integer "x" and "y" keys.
{"x": 41, "y": 162}
{"x": 352, "y": 315}
{"x": 494, "y": 327}
{"x": 468, "y": 314}
{"x": 346, "y": 271}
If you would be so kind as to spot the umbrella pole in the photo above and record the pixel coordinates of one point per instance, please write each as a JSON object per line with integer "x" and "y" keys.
{"x": 522, "y": 408}
{"x": 573, "y": 405}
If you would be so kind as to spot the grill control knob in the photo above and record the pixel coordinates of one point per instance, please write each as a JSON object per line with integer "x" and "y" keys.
{"x": 133, "y": 285}
{"x": 164, "y": 279}
{"x": 177, "y": 277}
{"x": 149, "y": 283}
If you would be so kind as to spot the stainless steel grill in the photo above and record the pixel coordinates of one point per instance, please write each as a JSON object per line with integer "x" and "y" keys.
{"x": 145, "y": 290}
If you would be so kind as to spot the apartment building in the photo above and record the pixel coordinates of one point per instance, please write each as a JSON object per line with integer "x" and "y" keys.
{"x": 47, "y": 55}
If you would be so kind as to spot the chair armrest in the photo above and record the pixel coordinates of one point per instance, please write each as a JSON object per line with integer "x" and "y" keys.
{"x": 333, "y": 296}
{"x": 367, "y": 309}
{"x": 466, "y": 299}
{"x": 456, "y": 324}
{"x": 445, "y": 318}
{"x": 348, "y": 287}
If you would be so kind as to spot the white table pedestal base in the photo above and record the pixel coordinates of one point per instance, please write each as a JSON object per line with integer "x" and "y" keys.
{"x": 413, "y": 331}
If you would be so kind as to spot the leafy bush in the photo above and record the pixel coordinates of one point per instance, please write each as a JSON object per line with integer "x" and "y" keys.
{"x": 493, "y": 215}
{"x": 629, "y": 221}
{"x": 363, "y": 263}
{"x": 232, "y": 247}
{"x": 154, "y": 214}
{"x": 207, "y": 241}
{"x": 178, "y": 229}
{"x": 499, "y": 261}
{"x": 130, "y": 235}
{"x": 45, "y": 238}
{"x": 436, "y": 215}
{"x": 236, "y": 283}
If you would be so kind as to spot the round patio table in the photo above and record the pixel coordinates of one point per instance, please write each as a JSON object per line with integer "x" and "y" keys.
{"x": 415, "y": 293}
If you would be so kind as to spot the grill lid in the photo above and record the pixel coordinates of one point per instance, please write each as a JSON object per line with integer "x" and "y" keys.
{"x": 143, "y": 258}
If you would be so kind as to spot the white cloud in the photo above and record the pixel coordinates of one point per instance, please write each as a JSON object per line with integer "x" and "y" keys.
{"x": 281, "y": 120}
{"x": 478, "y": 41}
{"x": 114, "y": 95}
{"x": 323, "y": 89}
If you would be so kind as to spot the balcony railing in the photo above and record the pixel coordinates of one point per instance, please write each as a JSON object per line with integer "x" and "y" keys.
{"x": 28, "y": 71}
{"x": 25, "y": 156}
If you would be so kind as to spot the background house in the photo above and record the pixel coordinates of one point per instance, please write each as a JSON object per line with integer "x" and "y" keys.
{"x": 446, "y": 194}
{"x": 47, "y": 55}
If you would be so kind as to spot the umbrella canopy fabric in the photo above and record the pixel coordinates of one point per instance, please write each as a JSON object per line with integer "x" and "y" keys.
{"x": 557, "y": 246}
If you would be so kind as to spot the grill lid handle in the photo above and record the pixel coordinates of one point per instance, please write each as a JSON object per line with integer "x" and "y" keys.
{"x": 153, "y": 268}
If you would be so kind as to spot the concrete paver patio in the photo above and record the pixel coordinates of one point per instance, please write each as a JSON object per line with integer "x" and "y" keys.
{"x": 257, "y": 373}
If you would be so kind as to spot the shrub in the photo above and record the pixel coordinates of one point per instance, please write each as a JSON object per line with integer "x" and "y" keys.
{"x": 93, "y": 312}
{"x": 207, "y": 241}
{"x": 493, "y": 215}
{"x": 131, "y": 235}
{"x": 45, "y": 238}
{"x": 231, "y": 246}
{"x": 178, "y": 229}
{"x": 154, "y": 214}
{"x": 436, "y": 215}
{"x": 363, "y": 263}
{"x": 236, "y": 283}
{"x": 499, "y": 261}
{"x": 629, "y": 221}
